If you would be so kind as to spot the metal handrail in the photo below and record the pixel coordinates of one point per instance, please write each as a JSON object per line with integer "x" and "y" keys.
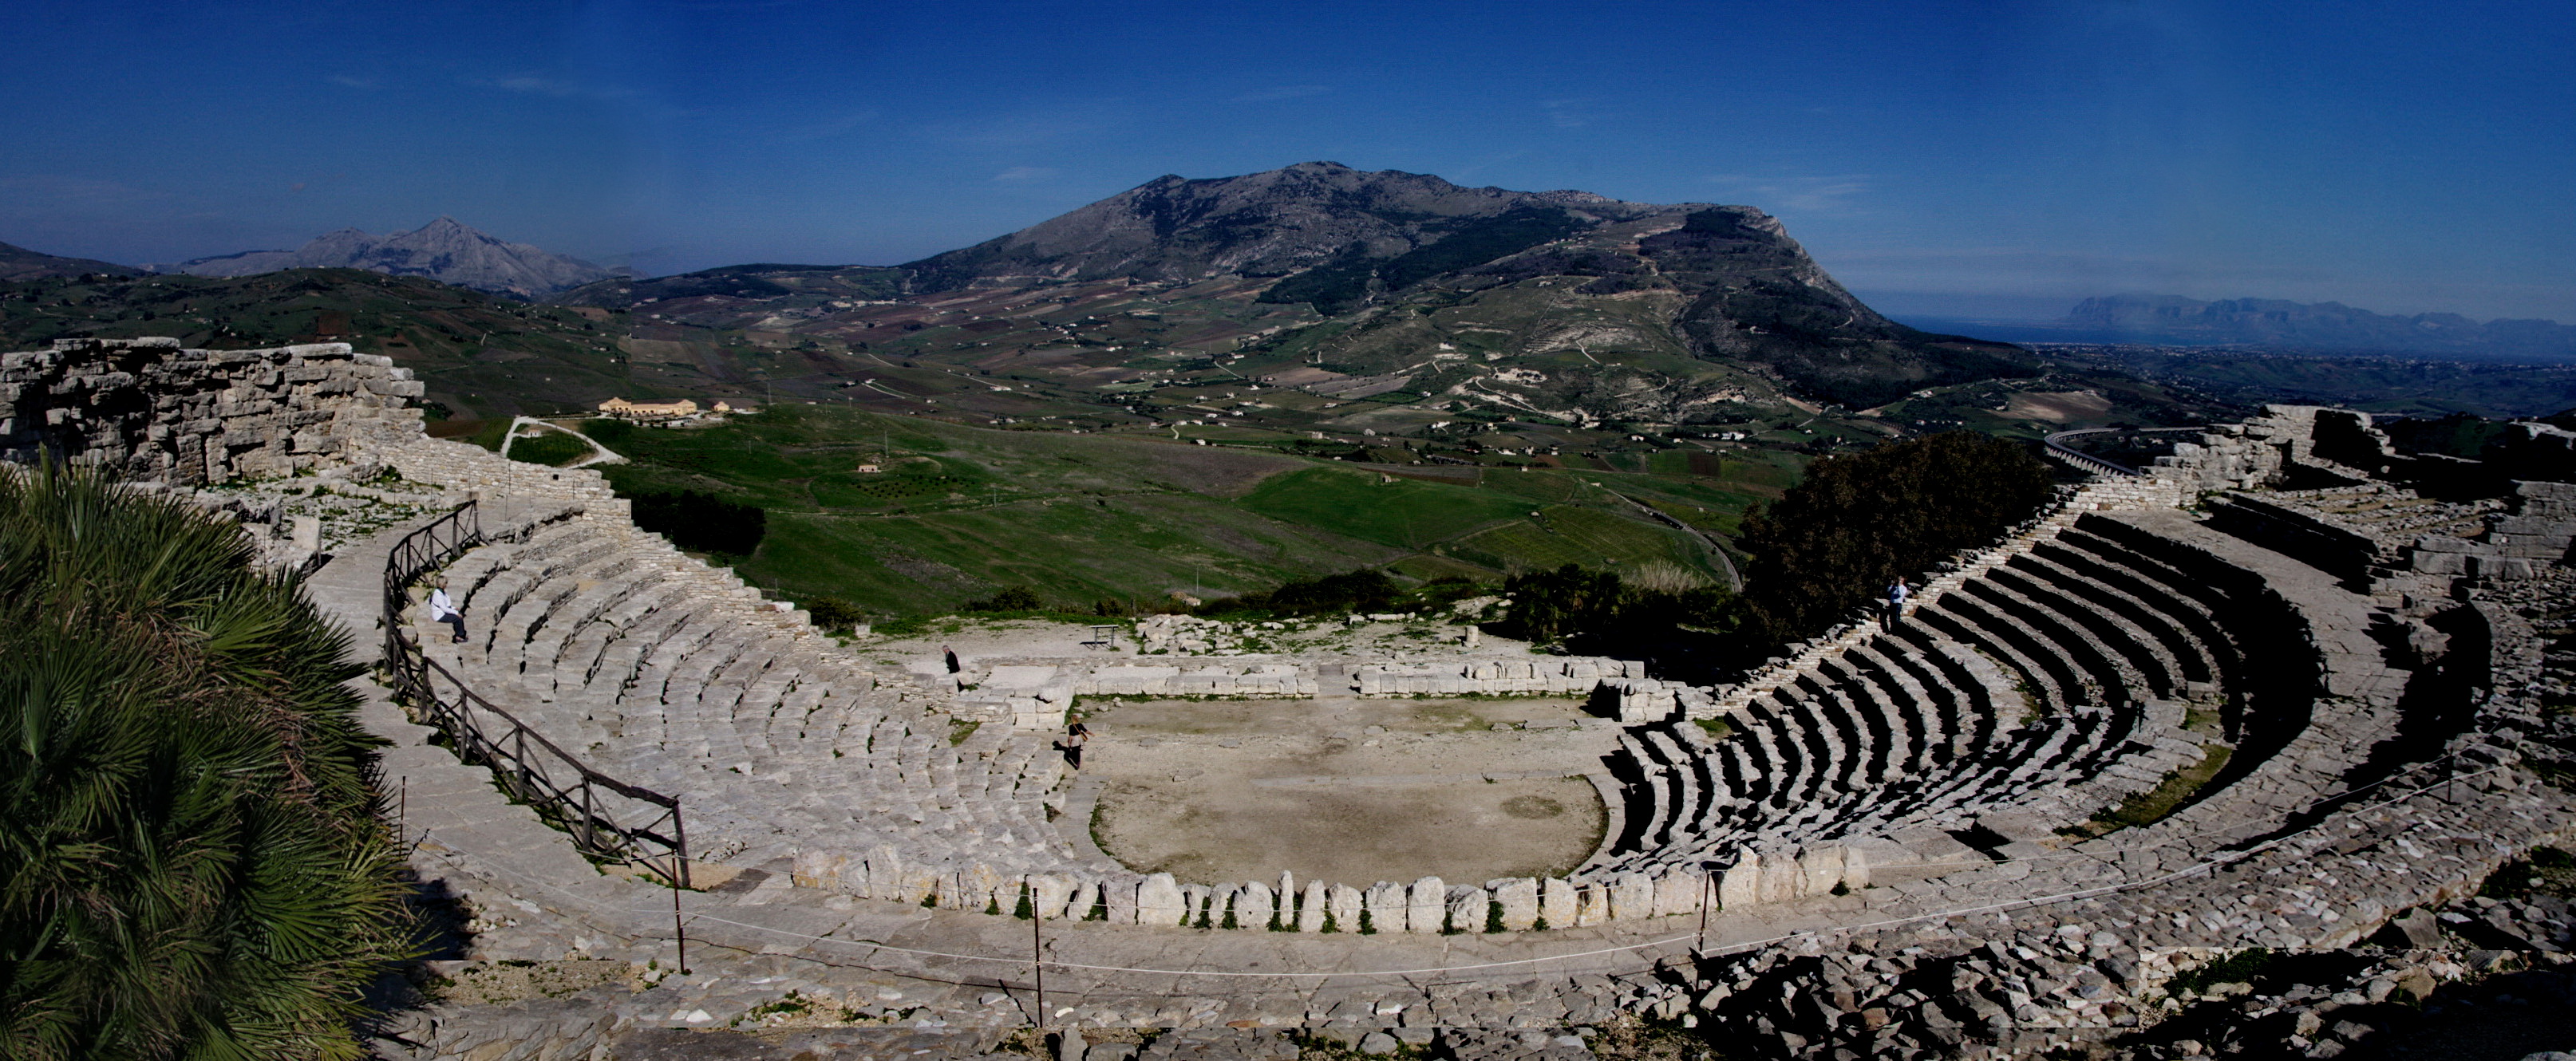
{"x": 533, "y": 769}
{"x": 2057, "y": 447}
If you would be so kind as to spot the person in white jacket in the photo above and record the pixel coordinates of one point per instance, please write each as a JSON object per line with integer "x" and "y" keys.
{"x": 442, "y": 610}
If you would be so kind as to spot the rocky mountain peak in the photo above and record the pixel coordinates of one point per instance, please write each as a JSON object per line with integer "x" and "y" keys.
{"x": 445, "y": 250}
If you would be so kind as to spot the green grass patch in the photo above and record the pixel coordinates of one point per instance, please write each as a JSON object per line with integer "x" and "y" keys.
{"x": 2151, "y": 806}
{"x": 1407, "y": 513}
{"x": 553, "y": 449}
{"x": 2241, "y": 967}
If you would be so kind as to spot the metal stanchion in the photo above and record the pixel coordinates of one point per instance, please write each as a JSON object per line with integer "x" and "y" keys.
{"x": 1706, "y": 884}
{"x": 678, "y": 929}
{"x": 1037, "y": 948}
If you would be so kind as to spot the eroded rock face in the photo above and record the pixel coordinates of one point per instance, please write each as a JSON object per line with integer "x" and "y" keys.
{"x": 155, "y": 412}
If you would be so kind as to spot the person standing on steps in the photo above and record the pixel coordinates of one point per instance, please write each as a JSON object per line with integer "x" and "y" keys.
{"x": 951, "y": 655}
{"x": 442, "y": 610}
{"x": 1893, "y": 615}
{"x": 1075, "y": 736}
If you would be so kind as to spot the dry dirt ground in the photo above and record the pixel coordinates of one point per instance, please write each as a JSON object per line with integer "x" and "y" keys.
{"x": 1347, "y": 790}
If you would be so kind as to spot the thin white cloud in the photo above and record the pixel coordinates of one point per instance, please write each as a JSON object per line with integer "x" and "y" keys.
{"x": 830, "y": 127}
{"x": 1023, "y": 174}
{"x": 1283, "y": 92}
{"x": 1809, "y": 195}
{"x": 1565, "y": 113}
{"x": 350, "y": 81}
{"x": 536, "y": 85}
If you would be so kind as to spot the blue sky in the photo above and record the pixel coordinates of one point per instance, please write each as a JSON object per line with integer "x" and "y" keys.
{"x": 1974, "y": 159}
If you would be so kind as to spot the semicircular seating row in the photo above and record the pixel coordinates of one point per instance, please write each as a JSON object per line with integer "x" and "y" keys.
{"x": 2046, "y": 687}
{"x": 662, "y": 672}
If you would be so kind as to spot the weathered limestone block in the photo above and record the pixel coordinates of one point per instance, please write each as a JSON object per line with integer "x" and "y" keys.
{"x": 1677, "y": 892}
{"x": 1741, "y": 886}
{"x": 1196, "y": 903}
{"x": 1467, "y": 909}
{"x": 1160, "y": 901}
{"x": 1782, "y": 880}
{"x": 1310, "y": 911}
{"x": 1049, "y": 893}
{"x": 1345, "y": 904}
{"x": 1084, "y": 900}
{"x": 1123, "y": 893}
{"x": 1252, "y": 906}
{"x": 1427, "y": 906}
{"x": 1558, "y": 902}
{"x": 1592, "y": 903}
{"x": 1383, "y": 906}
{"x": 1632, "y": 896}
{"x": 984, "y": 888}
{"x": 1819, "y": 870}
{"x": 820, "y": 869}
{"x": 1519, "y": 897}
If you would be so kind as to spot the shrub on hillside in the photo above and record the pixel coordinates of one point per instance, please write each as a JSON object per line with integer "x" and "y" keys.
{"x": 192, "y": 862}
{"x": 832, "y": 613}
{"x": 1365, "y": 590}
{"x": 1834, "y": 541}
{"x": 702, "y": 522}
{"x": 611, "y": 433}
{"x": 1008, "y": 599}
{"x": 1551, "y": 606}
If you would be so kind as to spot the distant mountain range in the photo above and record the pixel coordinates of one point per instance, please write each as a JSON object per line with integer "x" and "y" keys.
{"x": 444, "y": 250}
{"x": 2324, "y": 327}
{"x": 19, "y": 263}
{"x": 1260, "y": 258}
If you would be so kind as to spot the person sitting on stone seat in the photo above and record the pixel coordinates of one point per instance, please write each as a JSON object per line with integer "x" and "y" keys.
{"x": 442, "y": 610}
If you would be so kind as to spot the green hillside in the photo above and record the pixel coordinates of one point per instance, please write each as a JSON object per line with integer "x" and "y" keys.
{"x": 956, "y": 512}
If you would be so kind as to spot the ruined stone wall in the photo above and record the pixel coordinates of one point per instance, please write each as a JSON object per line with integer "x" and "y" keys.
{"x": 155, "y": 411}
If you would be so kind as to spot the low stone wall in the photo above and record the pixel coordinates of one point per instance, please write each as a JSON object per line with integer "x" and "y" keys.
{"x": 1273, "y": 677}
{"x": 1428, "y": 906}
{"x": 1524, "y": 676}
{"x": 1199, "y": 678}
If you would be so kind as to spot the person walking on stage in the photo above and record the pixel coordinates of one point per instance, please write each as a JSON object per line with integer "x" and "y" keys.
{"x": 1075, "y": 736}
{"x": 1893, "y": 615}
{"x": 442, "y": 610}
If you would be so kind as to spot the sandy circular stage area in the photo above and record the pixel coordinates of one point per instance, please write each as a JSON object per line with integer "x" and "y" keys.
{"x": 1346, "y": 790}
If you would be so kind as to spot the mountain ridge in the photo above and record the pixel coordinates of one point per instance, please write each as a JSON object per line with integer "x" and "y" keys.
{"x": 1722, "y": 288}
{"x": 2332, "y": 326}
{"x": 445, "y": 250}
{"x": 19, "y": 263}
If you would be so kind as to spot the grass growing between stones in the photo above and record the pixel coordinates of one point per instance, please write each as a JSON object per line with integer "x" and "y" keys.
{"x": 1718, "y": 728}
{"x": 2151, "y": 806}
{"x": 961, "y": 729}
{"x": 2549, "y": 870}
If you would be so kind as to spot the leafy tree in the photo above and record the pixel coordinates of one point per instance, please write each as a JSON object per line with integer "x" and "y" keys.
{"x": 1009, "y": 599}
{"x": 1834, "y": 541}
{"x": 832, "y": 613}
{"x": 1364, "y": 590}
{"x": 193, "y": 862}
{"x": 1570, "y": 601}
{"x": 702, "y": 522}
